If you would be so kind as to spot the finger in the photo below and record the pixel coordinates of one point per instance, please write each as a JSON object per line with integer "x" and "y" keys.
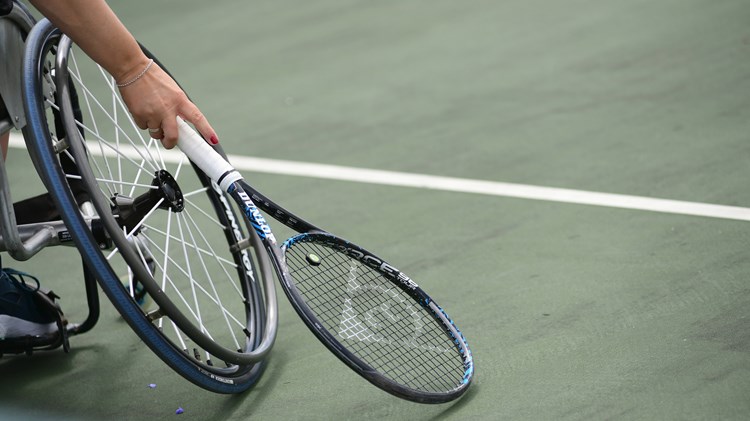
{"x": 169, "y": 132}
{"x": 156, "y": 133}
{"x": 194, "y": 116}
{"x": 142, "y": 124}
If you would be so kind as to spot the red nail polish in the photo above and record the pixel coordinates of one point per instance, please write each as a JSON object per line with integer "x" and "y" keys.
{"x": 214, "y": 140}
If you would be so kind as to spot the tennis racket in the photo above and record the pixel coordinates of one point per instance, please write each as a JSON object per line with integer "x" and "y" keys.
{"x": 369, "y": 314}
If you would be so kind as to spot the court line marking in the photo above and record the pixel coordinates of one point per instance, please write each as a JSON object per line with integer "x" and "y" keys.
{"x": 463, "y": 185}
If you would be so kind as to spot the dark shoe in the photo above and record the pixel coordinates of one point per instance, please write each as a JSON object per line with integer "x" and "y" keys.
{"x": 21, "y": 311}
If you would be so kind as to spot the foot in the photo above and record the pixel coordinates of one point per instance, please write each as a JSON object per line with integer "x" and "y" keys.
{"x": 22, "y": 313}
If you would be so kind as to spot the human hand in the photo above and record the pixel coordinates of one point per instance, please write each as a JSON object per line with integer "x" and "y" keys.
{"x": 155, "y": 101}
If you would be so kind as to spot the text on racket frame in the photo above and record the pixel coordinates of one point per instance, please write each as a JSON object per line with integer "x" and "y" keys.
{"x": 256, "y": 218}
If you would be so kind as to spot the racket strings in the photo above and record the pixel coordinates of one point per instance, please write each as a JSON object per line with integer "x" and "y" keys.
{"x": 374, "y": 319}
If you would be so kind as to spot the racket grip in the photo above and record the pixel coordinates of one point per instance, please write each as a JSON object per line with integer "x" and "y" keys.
{"x": 203, "y": 155}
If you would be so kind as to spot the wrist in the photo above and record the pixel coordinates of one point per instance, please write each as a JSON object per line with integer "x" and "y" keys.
{"x": 127, "y": 82}
{"x": 133, "y": 70}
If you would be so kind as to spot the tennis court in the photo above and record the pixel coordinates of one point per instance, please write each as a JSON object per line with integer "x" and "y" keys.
{"x": 627, "y": 307}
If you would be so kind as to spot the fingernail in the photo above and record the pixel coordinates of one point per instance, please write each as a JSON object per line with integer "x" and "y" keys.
{"x": 214, "y": 140}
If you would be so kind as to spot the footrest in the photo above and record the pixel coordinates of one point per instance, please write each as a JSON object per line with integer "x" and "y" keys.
{"x": 28, "y": 344}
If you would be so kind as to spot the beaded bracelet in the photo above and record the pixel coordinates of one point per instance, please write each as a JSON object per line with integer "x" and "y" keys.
{"x": 140, "y": 75}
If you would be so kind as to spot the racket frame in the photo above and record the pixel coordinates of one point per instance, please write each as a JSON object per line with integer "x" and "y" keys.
{"x": 253, "y": 202}
{"x": 402, "y": 281}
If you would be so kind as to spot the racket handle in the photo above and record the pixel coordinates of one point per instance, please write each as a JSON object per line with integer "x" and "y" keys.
{"x": 203, "y": 155}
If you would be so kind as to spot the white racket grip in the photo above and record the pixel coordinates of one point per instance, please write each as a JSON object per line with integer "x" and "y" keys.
{"x": 207, "y": 159}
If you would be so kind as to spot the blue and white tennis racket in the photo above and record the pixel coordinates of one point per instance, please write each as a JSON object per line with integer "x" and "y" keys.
{"x": 371, "y": 315}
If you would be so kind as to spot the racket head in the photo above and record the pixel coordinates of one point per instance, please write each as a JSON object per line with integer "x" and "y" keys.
{"x": 376, "y": 319}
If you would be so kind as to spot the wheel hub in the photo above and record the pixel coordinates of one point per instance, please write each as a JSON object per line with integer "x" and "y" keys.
{"x": 165, "y": 195}
{"x": 169, "y": 190}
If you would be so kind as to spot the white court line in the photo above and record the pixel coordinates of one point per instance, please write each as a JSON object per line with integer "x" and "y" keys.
{"x": 462, "y": 185}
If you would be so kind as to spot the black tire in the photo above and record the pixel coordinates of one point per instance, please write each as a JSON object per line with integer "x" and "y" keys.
{"x": 115, "y": 241}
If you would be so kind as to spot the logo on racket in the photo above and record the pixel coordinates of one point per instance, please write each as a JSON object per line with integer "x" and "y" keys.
{"x": 235, "y": 229}
{"x": 375, "y": 312}
{"x": 256, "y": 218}
{"x": 382, "y": 266}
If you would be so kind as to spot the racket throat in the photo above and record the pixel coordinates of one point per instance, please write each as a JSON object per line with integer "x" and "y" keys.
{"x": 252, "y": 213}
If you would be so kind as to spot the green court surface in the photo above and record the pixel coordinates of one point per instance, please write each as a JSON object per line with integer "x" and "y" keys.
{"x": 572, "y": 311}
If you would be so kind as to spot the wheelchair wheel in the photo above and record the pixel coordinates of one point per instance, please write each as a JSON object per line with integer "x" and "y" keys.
{"x": 149, "y": 224}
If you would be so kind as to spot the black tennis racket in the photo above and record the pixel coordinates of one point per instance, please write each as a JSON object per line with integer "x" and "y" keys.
{"x": 368, "y": 313}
